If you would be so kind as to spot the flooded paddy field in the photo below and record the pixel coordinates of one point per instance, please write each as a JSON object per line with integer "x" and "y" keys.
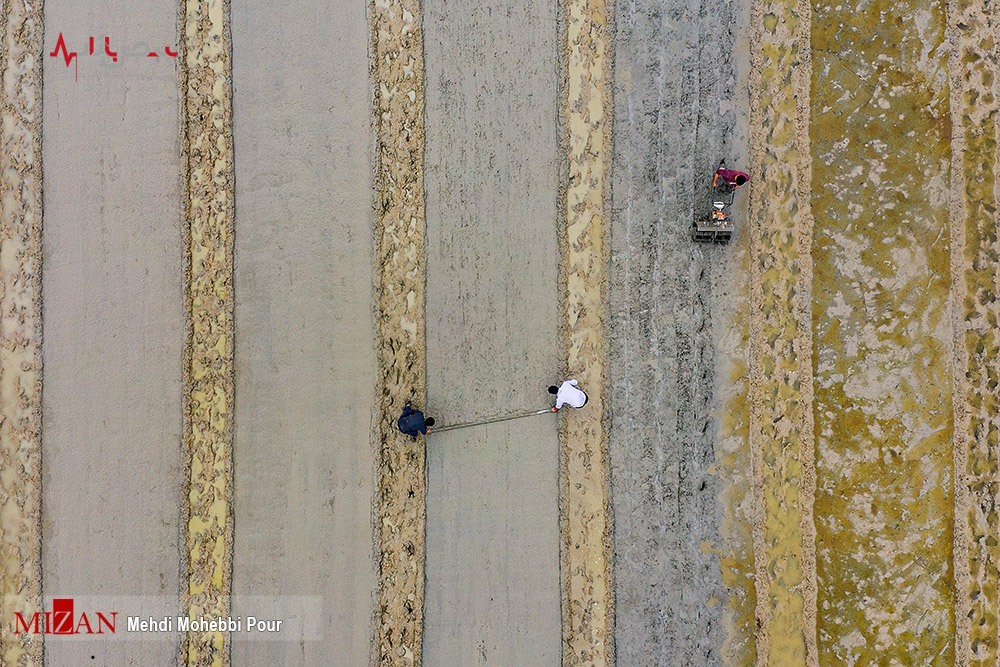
{"x": 245, "y": 266}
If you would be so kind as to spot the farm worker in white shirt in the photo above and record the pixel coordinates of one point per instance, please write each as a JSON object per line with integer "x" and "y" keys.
{"x": 568, "y": 393}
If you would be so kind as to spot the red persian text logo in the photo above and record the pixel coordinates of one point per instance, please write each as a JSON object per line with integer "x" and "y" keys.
{"x": 62, "y": 620}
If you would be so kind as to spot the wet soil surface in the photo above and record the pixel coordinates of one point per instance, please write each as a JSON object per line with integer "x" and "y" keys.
{"x": 679, "y": 109}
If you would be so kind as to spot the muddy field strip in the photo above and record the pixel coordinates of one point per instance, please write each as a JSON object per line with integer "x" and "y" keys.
{"x": 790, "y": 455}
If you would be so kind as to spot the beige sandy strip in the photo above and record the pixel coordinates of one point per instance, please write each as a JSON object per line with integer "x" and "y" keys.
{"x": 588, "y": 593}
{"x": 20, "y": 323}
{"x": 780, "y": 393}
{"x": 401, "y": 507}
{"x": 975, "y": 264}
{"x": 206, "y": 94}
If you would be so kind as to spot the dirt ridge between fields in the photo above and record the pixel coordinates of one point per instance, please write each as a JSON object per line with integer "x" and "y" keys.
{"x": 206, "y": 94}
{"x": 780, "y": 391}
{"x": 400, "y": 504}
{"x": 588, "y": 589}
{"x": 20, "y": 323}
{"x": 975, "y": 263}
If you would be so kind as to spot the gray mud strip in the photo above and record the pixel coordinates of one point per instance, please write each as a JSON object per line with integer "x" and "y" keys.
{"x": 493, "y": 341}
{"x": 305, "y": 365}
{"x": 113, "y": 297}
{"x": 674, "y": 119}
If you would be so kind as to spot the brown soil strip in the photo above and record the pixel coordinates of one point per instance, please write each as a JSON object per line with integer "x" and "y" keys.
{"x": 588, "y": 594}
{"x": 780, "y": 392}
{"x": 20, "y": 323}
{"x": 975, "y": 263}
{"x": 206, "y": 94}
{"x": 397, "y": 49}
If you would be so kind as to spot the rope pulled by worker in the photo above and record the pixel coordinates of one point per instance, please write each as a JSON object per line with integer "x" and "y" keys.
{"x": 494, "y": 420}
{"x": 414, "y": 424}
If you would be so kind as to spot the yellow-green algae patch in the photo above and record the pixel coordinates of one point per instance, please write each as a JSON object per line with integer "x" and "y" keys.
{"x": 736, "y": 557}
{"x": 881, "y": 323}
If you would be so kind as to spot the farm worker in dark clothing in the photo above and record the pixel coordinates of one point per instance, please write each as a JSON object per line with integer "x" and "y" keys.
{"x": 730, "y": 177}
{"x": 413, "y": 423}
